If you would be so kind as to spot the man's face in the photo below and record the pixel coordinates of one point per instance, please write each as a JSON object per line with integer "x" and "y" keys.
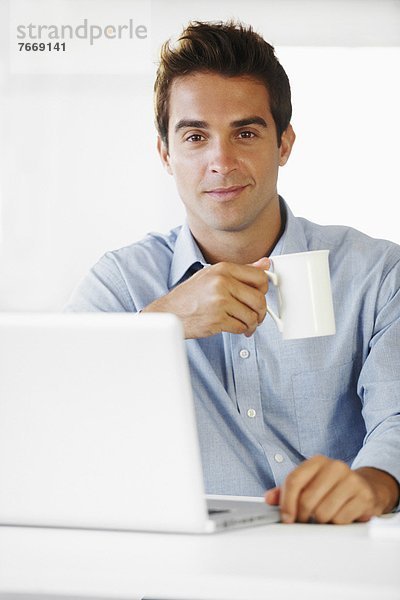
{"x": 223, "y": 151}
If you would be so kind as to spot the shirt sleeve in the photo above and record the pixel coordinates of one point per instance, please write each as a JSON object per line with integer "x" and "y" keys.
{"x": 379, "y": 383}
{"x": 102, "y": 290}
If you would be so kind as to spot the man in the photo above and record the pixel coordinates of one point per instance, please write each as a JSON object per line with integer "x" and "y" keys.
{"x": 316, "y": 422}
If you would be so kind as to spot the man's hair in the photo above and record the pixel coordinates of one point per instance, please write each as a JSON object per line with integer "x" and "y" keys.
{"x": 230, "y": 49}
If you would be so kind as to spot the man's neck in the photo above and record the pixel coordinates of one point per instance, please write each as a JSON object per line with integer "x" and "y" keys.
{"x": 241, "y": 247}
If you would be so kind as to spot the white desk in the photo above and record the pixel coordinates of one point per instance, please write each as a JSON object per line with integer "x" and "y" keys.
{"x": 273, "y": 562}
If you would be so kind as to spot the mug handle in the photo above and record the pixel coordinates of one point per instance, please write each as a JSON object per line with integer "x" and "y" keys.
{"x": 273, "y": 277}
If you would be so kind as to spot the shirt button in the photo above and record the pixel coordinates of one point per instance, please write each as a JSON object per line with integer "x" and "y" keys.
{"x": 251, "y": 413}
{"x": 278, "y": 457}
{"x": 244, "y": 353}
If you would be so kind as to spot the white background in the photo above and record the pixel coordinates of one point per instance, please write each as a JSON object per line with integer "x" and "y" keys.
{"x": 79, "y": 173}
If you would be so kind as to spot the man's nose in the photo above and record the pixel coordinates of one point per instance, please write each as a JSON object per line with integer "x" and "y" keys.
{"x": 223, "y": 158}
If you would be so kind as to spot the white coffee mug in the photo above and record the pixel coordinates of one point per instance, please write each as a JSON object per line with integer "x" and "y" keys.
{"x": 304, "y": 294}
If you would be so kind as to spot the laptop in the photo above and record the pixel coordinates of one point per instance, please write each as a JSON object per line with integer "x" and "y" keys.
{"x": 98, "y": 429}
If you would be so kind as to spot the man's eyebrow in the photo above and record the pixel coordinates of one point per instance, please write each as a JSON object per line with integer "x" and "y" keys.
{"x": 188, "y": 123}
{"x": 184, "y": 123}
{"x": 249, "y": 121}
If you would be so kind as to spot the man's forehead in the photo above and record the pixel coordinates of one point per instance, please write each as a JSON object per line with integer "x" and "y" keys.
{"x": 195, "y": 95}
{"x": 210, "y": 81}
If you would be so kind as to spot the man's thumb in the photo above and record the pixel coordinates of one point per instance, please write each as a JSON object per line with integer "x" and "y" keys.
{"x": 263, "y": 263}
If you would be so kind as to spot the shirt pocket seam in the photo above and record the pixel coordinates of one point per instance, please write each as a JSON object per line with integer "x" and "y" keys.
{"x": 303, "y": 391}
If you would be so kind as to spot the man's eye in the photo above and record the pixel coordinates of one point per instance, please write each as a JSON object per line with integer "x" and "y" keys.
{"x": 195, "y": 137}
{"x": 246, "y": 135}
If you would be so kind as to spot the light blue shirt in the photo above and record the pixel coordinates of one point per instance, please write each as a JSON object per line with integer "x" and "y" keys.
{"x": 263, "y": 404}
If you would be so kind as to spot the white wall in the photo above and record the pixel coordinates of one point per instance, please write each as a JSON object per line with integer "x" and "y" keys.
{"x": 79, "y": 172}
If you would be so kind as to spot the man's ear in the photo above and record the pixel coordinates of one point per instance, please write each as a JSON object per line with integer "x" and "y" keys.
{"x": 163, "y": 152}
{"x": 287, "y": 141}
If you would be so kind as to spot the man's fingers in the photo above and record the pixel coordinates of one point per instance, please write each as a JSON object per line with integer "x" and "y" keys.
{"x": 295, "y": 482}
{"x": 328, "y": 491}
{"x": 247, "y": 274}
{"x": 263, "y": 263}
{"x": 340, "y": 495}
{"x": 349, "y": 513}
{"x": 234, "y": 325}
{"x": 222, "y": 297}
{"x": 252, "y": 298}
{"x": 243, "y": 313}
{"x": 324, "y": 490}
{"x": 272, "y": 496}
{"x": 349, "y": 498}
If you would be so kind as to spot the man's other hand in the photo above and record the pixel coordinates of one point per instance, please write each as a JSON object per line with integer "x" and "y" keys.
{"x": 223, "y": 297}
{"x": 328, "y": 491}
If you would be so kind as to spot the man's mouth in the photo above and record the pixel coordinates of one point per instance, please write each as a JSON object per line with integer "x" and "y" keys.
{"x": 226, "y": 193}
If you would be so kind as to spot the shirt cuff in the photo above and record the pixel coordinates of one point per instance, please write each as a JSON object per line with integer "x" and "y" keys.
{"x": 368, "y": 457}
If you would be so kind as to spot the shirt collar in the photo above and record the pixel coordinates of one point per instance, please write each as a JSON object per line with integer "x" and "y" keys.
{"x": 293, "y": 238}
{"x": 186, "y": 255}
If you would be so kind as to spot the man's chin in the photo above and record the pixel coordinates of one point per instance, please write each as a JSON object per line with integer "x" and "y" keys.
{"x": 233, "y": 226}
